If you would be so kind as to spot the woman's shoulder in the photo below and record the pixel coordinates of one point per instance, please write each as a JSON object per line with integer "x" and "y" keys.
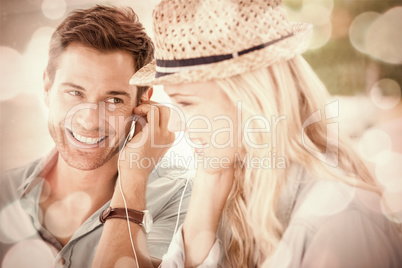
{"x": 333, "y": 221}
{"x": 322, "y": 200}
{"x": 346, "y": 221}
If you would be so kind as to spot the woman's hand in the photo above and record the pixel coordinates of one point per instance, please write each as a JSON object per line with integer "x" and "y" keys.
{"x": 151, "y": 141}
{"x": 210, "y": 192}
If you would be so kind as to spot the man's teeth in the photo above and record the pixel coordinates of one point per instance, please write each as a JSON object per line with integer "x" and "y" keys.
{"x": 87, "y": 140}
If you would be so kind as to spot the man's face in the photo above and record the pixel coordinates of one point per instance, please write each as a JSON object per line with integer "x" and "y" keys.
{"x": 90, "y": 103}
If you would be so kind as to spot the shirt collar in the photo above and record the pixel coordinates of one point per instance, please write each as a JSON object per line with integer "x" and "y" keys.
{"x": 40, "y": 171}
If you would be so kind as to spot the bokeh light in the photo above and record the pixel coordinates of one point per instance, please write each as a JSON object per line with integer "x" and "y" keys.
{"x": 384, "y": 37}
{"x": 24, "y": 132}
{"x": 29, "y": 253}
{"x": 22, "y": 73}
{"x": 372, "y": 143}
{"x": 36, "y": 55}
{"x": 327, "y": 4}
{"x": 321, "y": 35}
{"x": 11, "y": 65}
{"x": 388, "y": 167}
{"x": 359, "y": 28}
{"x": 317, "y": 13}
{"x": 391, "y": 202}
{"x": 388, "y": 172}
{"x": 78, "y": 203}
{"x": 386, "y": 93}
{"x": 356, "y": 114}
{"x": 54, "y": 9}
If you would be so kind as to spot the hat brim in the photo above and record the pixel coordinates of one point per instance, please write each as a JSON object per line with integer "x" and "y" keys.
{"x": 283, "y": 50}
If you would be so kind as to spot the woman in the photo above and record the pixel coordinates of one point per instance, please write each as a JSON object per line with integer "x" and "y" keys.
{"x": 287, "y": 191}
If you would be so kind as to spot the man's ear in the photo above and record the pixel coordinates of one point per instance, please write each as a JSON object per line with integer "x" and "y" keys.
{"x": 47, "y": 85}
{"x": 147, "y": 94}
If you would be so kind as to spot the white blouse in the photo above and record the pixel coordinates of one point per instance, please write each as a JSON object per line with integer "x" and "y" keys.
{"x": 330, "y": 224}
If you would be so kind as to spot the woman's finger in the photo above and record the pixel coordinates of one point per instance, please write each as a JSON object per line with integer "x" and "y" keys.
{"x": 149, "y": 111}
{"x": 164, "y": 115}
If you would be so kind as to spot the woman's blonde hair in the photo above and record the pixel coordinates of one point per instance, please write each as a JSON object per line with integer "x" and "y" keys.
{"x": 251, "y": 226}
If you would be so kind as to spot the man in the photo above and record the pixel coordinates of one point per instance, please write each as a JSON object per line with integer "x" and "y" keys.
{"x": 50, "y": 209}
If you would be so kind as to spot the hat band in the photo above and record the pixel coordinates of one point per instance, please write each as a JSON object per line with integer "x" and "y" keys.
{"x": 166, "y": 67}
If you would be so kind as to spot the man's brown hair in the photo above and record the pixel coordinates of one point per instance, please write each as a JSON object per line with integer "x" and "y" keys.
{"x": 106, "y": 29}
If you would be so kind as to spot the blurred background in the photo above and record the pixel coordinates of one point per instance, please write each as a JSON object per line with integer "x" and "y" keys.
{"x": 356, "y": 50}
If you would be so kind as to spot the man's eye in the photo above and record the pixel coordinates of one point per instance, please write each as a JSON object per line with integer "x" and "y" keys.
{"x": 75, "y": 93}
{"x": 114, "y": 100}
{"x": 183, "y": 103}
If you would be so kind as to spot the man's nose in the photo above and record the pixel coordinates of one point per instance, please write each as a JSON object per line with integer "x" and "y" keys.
{"x": 90, "y": 118}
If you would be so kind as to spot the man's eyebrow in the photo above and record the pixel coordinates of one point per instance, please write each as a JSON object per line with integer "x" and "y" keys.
{"x": 118, "y": 93}
{"x": 112, "y": 92}
{"x": 73, "y": 85}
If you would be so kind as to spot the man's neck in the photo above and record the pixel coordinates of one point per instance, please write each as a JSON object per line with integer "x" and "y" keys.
{"x": 98, "y": 184}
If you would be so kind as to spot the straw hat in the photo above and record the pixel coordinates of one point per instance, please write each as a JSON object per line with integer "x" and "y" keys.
{"x": 201, "y": 40}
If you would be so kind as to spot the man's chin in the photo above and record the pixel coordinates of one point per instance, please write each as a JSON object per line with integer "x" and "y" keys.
{"x": 83, "y": 165}
{"x": 86, "y": 161}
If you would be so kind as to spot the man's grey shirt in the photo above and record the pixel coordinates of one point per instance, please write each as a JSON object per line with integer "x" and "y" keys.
{"x": 26, "y": 243}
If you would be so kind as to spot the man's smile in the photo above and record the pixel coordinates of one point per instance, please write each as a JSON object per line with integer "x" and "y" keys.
{"x": 87, "y": 140}
{"x": 82, "y": 141}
